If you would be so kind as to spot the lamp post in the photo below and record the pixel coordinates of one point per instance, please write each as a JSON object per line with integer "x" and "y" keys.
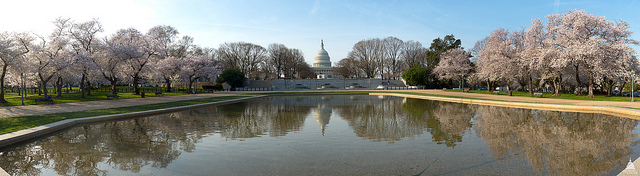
{"x": 633, "y": 75}
{"x": 23, "y": 91}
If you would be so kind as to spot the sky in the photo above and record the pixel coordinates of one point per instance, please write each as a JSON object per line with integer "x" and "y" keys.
{"x": 303, "y": 23}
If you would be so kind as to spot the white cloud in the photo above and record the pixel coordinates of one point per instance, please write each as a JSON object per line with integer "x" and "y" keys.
{"x": 315, "y": 8}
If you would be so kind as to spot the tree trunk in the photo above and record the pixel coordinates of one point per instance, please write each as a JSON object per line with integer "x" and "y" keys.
{"x": 135, "y": 85}
{"x": 88, "y": 87}
{"x": 591, "y": 86}
{"x": 168, "y": 84}
{"x": 43, "y": 84}
{"x": 82, "y": 85}
{"x": 557, "y": 85}
{"x": 579, "y": 84}
{"x": 488, "y": 85}
{"x": 114, "y": 89}
{"x": 4, "y": 73}
{"x": 59, "y": 86}
{"x": 530, "y": 85}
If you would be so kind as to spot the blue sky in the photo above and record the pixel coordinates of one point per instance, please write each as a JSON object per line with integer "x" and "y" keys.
{"x": 302, "y": 24}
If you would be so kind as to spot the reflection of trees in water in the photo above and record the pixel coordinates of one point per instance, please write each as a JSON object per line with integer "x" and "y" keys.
{"x": 446, "y": 122}
{"x": 129, "y": 145}
{"x": 277, "y": 116}
{"x": 395, "y": 118}
{"x": 449, "y": 122}
{"x": 125, "y": 145}
{"x": 564, "y": 143}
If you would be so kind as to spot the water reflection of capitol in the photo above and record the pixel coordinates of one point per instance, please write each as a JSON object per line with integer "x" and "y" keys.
{"x": 322, "y": 106}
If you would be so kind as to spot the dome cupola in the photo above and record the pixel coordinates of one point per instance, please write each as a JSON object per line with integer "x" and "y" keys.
{"x": 322, "y": 57}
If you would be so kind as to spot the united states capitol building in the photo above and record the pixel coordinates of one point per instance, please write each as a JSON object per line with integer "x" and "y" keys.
{"x": 322, "y": 63}
{"x": 325, "y": 78}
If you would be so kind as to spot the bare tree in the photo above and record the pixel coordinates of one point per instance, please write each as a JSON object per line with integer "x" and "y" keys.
{"x": 413, "y": 54}
{"x": 245, "y": 56}
{"x": 393, "y": 48}
{"x": 347, "y": 68}
{"x": 368, "y": 54}
{"x": 277, "y": 58}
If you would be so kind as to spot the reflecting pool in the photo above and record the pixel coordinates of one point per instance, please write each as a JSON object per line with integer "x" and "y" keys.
{"x": 337, "y": 135}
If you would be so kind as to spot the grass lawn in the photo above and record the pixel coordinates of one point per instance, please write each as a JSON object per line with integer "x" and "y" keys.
{"x": 8, "y": 125}
{"x": 74, "y": 96}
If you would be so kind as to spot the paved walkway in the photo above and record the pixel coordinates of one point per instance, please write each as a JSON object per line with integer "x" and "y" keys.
{"x": 16, "y": 111}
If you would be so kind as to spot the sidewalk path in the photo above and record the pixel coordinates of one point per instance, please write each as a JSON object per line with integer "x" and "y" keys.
{"x": 16, "y": 111}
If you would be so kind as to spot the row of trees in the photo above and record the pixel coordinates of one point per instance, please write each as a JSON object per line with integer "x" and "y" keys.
{"x": 574, "y": 51}
{"x": 75, "y": 54}
{"x": 386, "y": 58}
{"x": 390, "y": 58}
{"x": 258, "y": 62}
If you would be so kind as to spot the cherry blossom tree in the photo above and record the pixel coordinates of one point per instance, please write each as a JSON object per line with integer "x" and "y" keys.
{"x": 196, "y": 67}
{"x": 498, "y": 58}
{"x": 593, "y": 43}
{"x": 85, "y": 44}
{"x": 136, "y": 50}
{"x": 168, "y": 69}
{"x": 164, "y": 36}
{"x": 52, "y": 56}
{"x": 13, "y": 48}
{"x": 454, "y": 64}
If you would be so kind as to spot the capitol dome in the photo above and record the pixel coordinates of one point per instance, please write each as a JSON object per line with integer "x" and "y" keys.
{"x": 322, "y": 57}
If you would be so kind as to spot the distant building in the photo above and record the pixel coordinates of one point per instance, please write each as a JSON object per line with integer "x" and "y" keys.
{"x": 322, "y": 63}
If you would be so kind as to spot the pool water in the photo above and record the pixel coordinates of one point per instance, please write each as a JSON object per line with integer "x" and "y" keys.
{"x": 336, "y": 135}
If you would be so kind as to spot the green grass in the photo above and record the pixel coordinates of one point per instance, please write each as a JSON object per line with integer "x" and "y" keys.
{"x": 8, "y": 125}
{"x": 14, "y": 100}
